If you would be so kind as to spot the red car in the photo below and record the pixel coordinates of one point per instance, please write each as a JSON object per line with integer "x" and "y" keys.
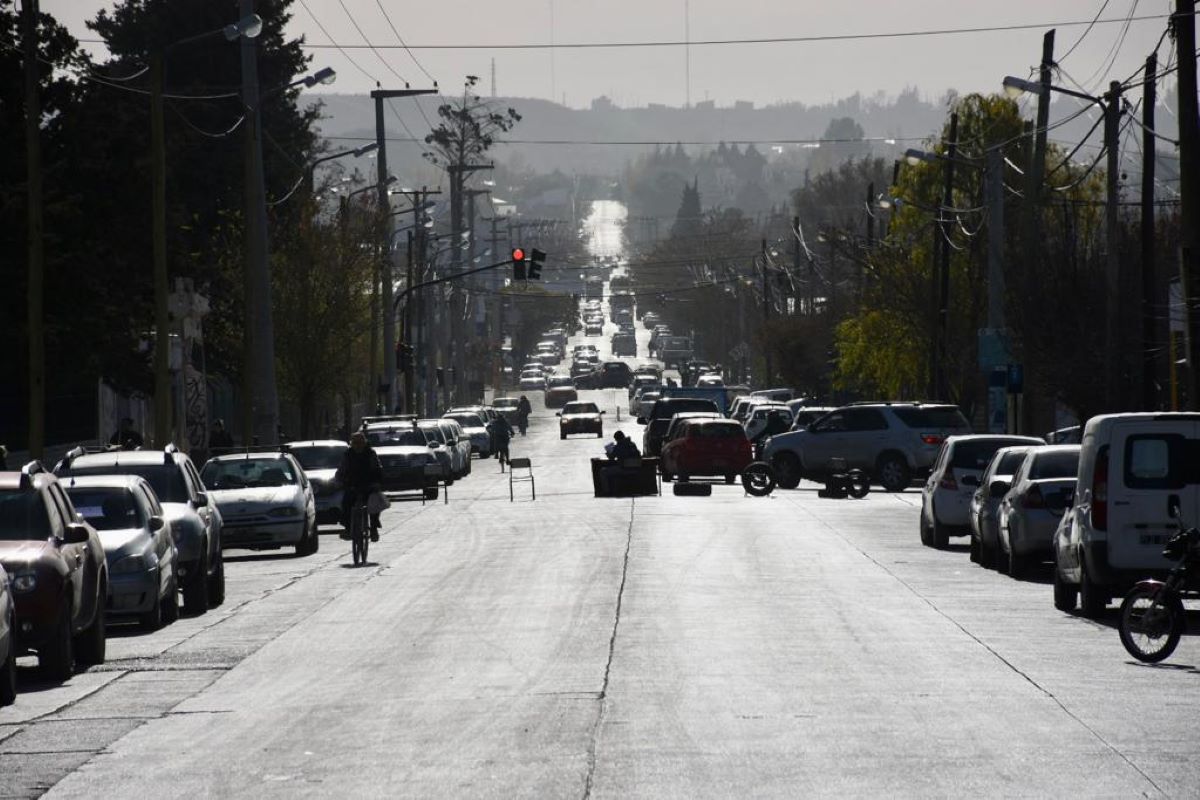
{"x": 707, "y": 447}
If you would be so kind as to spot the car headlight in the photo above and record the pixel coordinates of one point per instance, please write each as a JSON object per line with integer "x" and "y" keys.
{"x": 284, "y": 511}
{"x": 25, "y": 582}
{"x": 129, "y": 564}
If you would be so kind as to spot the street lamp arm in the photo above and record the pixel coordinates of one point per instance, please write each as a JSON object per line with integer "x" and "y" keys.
{"x": 1018, "y": 86}
{"x": 446, "y": 279}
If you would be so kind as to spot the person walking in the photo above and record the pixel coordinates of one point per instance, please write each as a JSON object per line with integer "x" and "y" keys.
{"x": 524, "y": 409}
{"x": 126, "y": 437}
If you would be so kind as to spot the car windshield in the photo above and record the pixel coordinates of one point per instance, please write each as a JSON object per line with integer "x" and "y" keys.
{"x": 434, "y": 434}
{"x": 1054, "y": 465}
{"x": 107, "y": 508}
{"x": 559, "y": 382}
{"x": 938, "y": 417}
{"x": 243, "y": 473}
{"x": 580, "y": 408}
{"x": 677, "y": 406}
{"x": 319, "y": 456}
{"x": 976, "y": 453}
{"x": 22, "y": 516}
{"x": 405, "y": 437}
{"x": 466, "y": 420}
{"x": 166, "y": 479}
{"x": 1009, "y": 462}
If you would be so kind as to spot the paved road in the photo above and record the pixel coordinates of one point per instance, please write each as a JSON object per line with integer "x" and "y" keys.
{"x": 575, "y": 647}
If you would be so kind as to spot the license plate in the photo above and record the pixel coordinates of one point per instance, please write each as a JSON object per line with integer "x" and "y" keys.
{"x": 1157, "y": 539}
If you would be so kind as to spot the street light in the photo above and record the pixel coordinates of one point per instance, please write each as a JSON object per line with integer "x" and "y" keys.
{"x": 248, "y": 27}
{"x": 357, "y": 152}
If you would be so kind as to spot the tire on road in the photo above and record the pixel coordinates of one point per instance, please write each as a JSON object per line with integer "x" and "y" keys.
{"x": 195, "y": 587}
{"x": 56, "y": 658}
{"x": 1093, "y": 599}
{"x": 216, "y": 583}
{"x": 170, "y": 603}
{"x": 787, "y": 469}
{"x": 1066, "y": 596}
{"x": 91, "y": 643}
{"x": 8, "y": 677}
{"x": 758, "y": 479}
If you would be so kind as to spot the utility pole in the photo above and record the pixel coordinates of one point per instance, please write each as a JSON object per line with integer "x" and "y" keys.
{"x": 1149, "y": 359}
{"x": 796, "y": 250}
{"x": 1184, "y": 25}
{"x": 766, "y": 292}
{"x": 1113, "y": 345}
{"x": 458, "y": 176}
{"x": 36, "y": 255}
{"x": 862, "y": 270}
{"x": 158, "y": 189}
{"x": 1031, "y": 246}
{"x": 385, "y": 256}
{"x": 261, "y": 398}
{"x": 941, "y": 381}
{"x": 994, "y": 181}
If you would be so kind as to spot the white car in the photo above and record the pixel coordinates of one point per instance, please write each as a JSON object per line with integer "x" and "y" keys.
{"x": 442, "y": 437}
{"x": 767, "y": 419}
{"x": 409, "y": 463}
{"x": 1132, "y": 469}
{"x": 320, "y": 459}
{"x": 956, "y": 474}
{"x": 475, "y": 430}
{"x": 265, "y": 500}
{"x": 1031, "y": 510}
{"x": 532, "y": 381}
{"x": 710, "y": 382}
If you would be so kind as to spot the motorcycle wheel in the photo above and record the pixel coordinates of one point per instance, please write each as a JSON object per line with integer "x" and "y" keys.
{"x": 1150, "y": 626}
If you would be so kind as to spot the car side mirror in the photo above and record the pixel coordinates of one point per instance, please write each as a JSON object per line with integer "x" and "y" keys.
{"x": 558, "y": 413}
{"x": 156, "y": 523}
{"x": 602, "y": 413}
{"x": 76, "y": 533}
{"x": 641, "y": 420}
{"x": 970, "y": 480}
{"x": 201, "y": 499}
{"x": 999, "y": 488}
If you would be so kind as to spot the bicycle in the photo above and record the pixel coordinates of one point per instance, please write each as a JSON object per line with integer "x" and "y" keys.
{"x": 360, "y": 532}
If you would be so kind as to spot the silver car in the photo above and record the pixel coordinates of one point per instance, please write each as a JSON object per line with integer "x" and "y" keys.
{"x": 448, "y": 444}
{"x": 138, "y": 546}
{"x": 8, "y": 643}
{"x": 1032, "y": 507}
{"x": 985, "y": 504}
{"x": 265, "y": 500}
{"x": 320, "y": 459}
{"x": 474, "y": 429}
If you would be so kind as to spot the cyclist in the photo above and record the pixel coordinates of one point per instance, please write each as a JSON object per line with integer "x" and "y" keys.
{"x": 524, "y": 409}
{"x": 502, "y": 434}
{"x": 360, "y": 474}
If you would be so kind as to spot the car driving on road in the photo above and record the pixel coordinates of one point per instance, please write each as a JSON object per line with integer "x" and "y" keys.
{"x": 579, "y": 417}
{"x": 474, "y": 429}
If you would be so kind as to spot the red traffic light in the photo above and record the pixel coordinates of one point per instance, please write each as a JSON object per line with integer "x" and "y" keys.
{"x": 518, "y": 254}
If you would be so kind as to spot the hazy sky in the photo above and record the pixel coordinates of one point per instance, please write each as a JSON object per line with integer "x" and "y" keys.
{"x": 811, "y": 72}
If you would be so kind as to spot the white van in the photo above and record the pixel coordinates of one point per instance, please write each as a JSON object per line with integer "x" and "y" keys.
{"x": 1132, "y": 467}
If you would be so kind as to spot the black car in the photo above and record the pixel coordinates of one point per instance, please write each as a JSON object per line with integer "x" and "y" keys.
{"x": 613, "y": 375}
{"x": 660, "y": 415}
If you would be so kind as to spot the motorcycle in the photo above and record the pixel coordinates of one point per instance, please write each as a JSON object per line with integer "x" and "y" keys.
{"x": 1152, "y": 615}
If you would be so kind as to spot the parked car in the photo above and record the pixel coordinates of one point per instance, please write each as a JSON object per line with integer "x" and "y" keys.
{"x": 946, "y": 495}
{"x": 642, "y": 380}
{"x": 451, "y": 449}
{"x": 194, "y": 517}
{"x": 559, "y": 391}
{"x": 643, "y": 401}
{"x": 893, "y": 442}
{"x": 1132, "y": 468}
{"x": 507, "y": 406}
{"x": 707, "y": 447}
{"x": 320, "y": 459}
{"x": 803, "y": 416}
{"x": 266, "y": 501}
{"x": 676, "y": 424}
{"x": 659, "y": 419}
{"x": 475, "y": 429}
{"x": 1031, "y": 510}
{"x": 8, "y": 642}
{"x": 59, "y": 579}
{"x": 139, "y": 548}
{"x": 579, "y": 417}
{"x": 985, "y": 504}
{"x": 767, "y": 419}
{"x": 409, "y": 464}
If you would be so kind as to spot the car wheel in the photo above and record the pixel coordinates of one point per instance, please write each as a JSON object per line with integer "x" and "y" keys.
{"x": 600, "y": 433}
{"x": 1093, "y": 600}
{"x": 787, "y": 469}
{"x": 729, "y": 479}
{"x": 8, "y": 676}
{"x": 562, "y": 435}
{"x": 893, "y": 473}
{"x": 152, "y": 620}
{"x": 216, "y": 584}
{"x": 170, "y": 603}
{"x": 974, "y": 550}
{"x": 758, "y": 479}
{"x": 91, "y": 643}
{"x": 1065, "y": 595}
{"x": 431, "y": 493}
{"x": 307, "y": 545}
{"x": 941, "y": 538}
{"x": 1018, "y": 564}
{"x": 56, "y": 658}
{"x": 195, "y": 588}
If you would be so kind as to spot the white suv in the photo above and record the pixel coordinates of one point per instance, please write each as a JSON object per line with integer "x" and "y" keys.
{"x": 894, "y": 442}
{"x": 1132, "y": 469}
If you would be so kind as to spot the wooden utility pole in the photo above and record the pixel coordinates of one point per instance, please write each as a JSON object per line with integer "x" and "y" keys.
{"x": 1113, "y": 344}
{"x": 34, "y": 232}
{"x": 766, "y": 308}
{"x": 941, "y": 380}
{"x": 1149, "y": 358}
{"x": 796, "y": 251}
{"x": 1184, "y": 25}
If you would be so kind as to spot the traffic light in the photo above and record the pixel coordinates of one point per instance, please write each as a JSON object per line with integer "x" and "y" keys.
{"x": 518, "y": 262}
{"x": 536, "y": 257}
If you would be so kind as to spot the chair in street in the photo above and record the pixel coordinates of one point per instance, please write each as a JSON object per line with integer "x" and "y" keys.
{"x": 515, "y": 464}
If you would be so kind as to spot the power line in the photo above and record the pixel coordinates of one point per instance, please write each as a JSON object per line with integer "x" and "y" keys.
{"x": 1086, "y": 31}
{"x": 761, "y": 40}
{"x": 339, "y": 47}
{"x": 400, "y": 39}
{"x": 374, "y": 50}
{"x": 891, "y": 140}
